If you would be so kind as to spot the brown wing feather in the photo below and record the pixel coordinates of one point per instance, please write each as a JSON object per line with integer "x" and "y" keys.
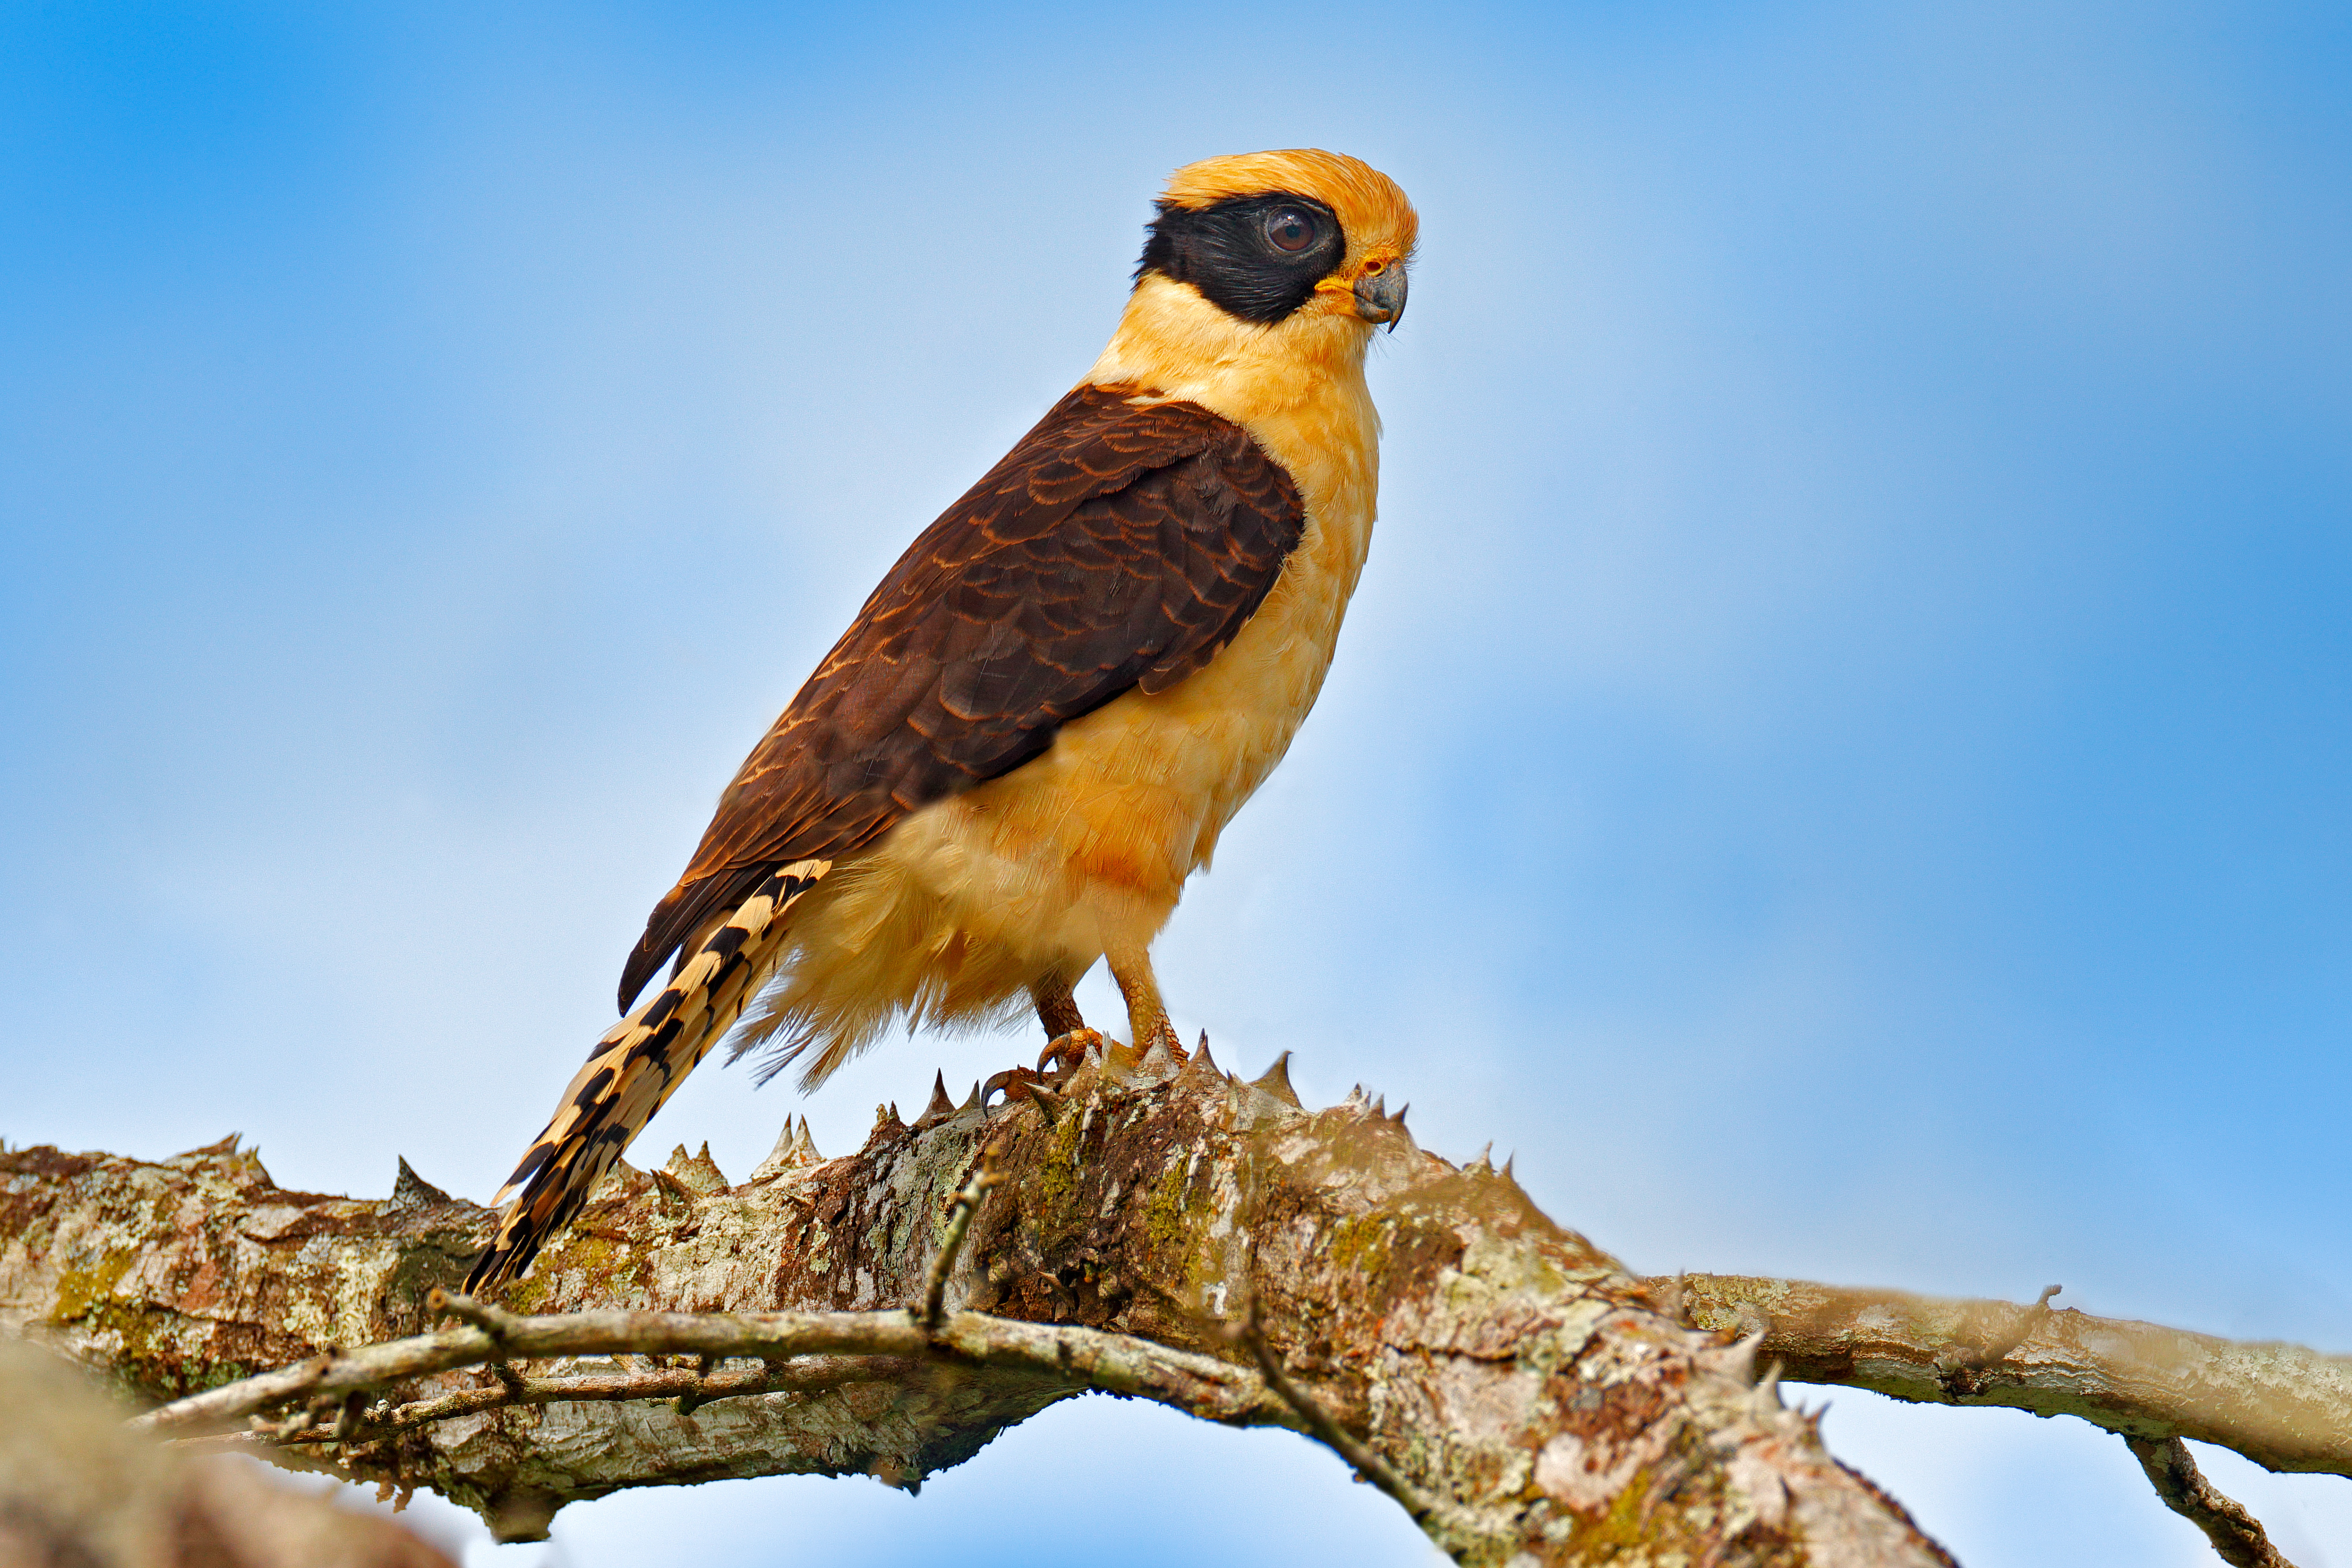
{"x": 1115, "y": 546}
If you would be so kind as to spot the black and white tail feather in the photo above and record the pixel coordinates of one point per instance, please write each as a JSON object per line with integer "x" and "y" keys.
{"x": 635, "y": 1068}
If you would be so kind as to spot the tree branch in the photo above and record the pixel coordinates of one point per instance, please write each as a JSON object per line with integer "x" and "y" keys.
{"x": 661, "y": 1382}
{"x": 1113, "y": 1364}
{"x": 959, "y": 1213}
{"x": 2281, "y": 1406}
{"x": 1366, "y": 1463}
{"x": 1540, "y": 1400}
{"x": 2236, "y": 1534}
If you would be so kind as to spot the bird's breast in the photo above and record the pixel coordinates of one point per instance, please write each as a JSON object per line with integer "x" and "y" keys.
{"x": 1089, "y": 846}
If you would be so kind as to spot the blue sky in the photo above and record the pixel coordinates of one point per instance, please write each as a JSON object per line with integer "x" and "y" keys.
{"x": 1840, "y": 757}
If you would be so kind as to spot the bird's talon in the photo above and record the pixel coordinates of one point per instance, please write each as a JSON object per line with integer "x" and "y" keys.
{"x": 1068, "y": 1052}
{"x": 1004, "y": 1082}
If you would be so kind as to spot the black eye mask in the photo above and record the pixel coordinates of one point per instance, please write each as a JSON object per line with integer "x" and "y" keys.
{"x": 1235, "y": 253}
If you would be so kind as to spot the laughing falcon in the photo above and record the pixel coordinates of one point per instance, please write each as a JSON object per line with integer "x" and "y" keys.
{"x": 1038, "y": 725}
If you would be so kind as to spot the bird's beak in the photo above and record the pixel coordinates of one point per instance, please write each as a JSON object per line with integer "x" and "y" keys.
{"x": 1379, "y": 296}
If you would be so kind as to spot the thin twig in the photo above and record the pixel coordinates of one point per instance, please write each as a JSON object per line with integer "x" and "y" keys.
{"x": 2237, "y": 1535}
{"x": 491, "y": 1318}
{"x": 1367, "y": 1464}
{"x": 1077, "y": 1357}
{"x": 816, "y": 1375}
{"x": 960, "y": 1212}
{"x": 697, "y": 1397}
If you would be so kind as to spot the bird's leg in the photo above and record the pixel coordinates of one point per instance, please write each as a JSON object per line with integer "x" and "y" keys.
{"x": 1057, "y": 1009}
{"x": 1146, "y": 1015}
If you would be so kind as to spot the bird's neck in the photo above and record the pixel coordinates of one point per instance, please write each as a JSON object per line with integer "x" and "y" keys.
{"x": 1172, "y": 343}
{"x": 1298, "y": 387}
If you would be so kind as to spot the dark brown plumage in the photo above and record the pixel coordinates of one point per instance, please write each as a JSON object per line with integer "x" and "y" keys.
{"x": 1113, "y": 546}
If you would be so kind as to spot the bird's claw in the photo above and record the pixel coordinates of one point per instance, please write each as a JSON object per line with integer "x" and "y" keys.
{"x": 1064, "y": 1053}
{"x": 1006, "y": 1082}
{"x": 1068, "y": 1051}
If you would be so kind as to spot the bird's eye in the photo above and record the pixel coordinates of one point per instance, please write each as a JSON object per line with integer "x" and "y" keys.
{"x": 1288, "y": 228}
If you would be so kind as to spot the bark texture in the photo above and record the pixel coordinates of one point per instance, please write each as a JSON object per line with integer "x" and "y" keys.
{"x": 1549, "y": 1404}
{"x": 2281, "y": 1406}
{"x": 2238, "y": 1537}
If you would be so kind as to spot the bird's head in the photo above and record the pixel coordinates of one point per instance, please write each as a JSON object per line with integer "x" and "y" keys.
{"x": 1295, "y": 239}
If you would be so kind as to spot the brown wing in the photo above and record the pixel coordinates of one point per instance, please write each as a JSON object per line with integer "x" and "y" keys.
{"x": 1115, "y": 546}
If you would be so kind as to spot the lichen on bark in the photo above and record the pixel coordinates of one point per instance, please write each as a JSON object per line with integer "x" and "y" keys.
{"x": 1541, "y": 1396}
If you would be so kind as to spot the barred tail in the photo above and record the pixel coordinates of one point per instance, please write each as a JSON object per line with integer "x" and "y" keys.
{"x": 634, "y": 1069}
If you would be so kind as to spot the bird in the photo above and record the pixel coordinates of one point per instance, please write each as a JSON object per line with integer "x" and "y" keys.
{"x": 1036, "y": 727}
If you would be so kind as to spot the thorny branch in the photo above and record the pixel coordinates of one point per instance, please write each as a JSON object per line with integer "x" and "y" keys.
{"x": 508, "y": 1335}
{"x": 854, "y": 1347}
{"x": 2237, "y": 1536}
{"x": 1543, "y": 1404}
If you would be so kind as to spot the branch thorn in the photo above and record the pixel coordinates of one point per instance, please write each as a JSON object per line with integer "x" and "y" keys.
{"x": 1047, "y": 1102}
{"x": 1276, "y": 1081}
{"x": 940, "y": 1107}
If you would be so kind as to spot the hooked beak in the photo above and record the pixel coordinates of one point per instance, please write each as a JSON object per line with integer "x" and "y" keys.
{"x": 1381, "y": 296}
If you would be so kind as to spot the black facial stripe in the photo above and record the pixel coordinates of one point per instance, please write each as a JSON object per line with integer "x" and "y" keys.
{"x": 1223, "y": 251}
